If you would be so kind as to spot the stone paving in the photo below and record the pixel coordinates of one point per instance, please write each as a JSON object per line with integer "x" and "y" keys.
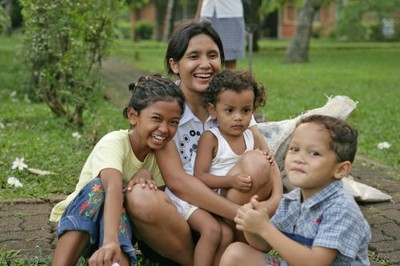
{"x": 24, "y": 223}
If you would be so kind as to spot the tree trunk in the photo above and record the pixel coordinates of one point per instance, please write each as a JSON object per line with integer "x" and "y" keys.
{"x": 297, "y": 52}
{"x": 167, "y": 21}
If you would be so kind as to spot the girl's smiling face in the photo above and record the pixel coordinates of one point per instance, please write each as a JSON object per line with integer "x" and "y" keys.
{"x": 198, "y": 65}
{"x": 155, "y": 125}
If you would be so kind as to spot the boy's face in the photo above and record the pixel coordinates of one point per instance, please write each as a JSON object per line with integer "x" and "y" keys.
{"x": 233, "y": 111}
{"x": 310, "y": 163}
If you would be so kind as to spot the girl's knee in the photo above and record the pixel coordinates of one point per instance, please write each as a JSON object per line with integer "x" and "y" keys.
{"x": 143, "y": 204}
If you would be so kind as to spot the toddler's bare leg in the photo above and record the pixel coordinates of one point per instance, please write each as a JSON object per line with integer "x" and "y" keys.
{"x": 226, "y": 240}
{"x": 210, "y": 236}
{"x": 254, "y": 164}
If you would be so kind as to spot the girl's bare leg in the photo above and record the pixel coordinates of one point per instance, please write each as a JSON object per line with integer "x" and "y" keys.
{"x": 159, "y": 225}
{"x": 69, "y": 247}
{"x": 210, "y": 236}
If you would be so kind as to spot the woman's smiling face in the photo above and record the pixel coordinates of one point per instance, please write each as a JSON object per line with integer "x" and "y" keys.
{"x": 198, "y": 65}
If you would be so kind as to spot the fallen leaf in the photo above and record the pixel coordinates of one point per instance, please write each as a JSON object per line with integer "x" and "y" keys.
{"x": 40, "y": 172}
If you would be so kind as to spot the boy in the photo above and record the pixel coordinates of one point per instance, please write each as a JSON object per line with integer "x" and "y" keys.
{"x": 318, "y": 223}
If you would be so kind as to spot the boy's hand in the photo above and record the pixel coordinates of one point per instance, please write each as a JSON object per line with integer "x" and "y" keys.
{"x": 251, "y": 217}
{"x": 142, "y": 177}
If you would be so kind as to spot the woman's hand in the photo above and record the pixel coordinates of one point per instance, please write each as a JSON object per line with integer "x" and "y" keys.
{"x": 142, "y": 177}
{"x": 107, "y": 255}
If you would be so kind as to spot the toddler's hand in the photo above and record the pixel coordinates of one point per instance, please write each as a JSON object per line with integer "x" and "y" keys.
{"x": 242, "y": 182}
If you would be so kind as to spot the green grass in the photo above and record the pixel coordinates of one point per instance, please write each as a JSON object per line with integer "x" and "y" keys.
{"x": 366, "y": 72}
{"x": 31, "y": 131}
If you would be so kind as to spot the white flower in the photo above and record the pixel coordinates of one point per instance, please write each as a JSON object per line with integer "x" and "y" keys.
{"x": 2, "y": 125}
{"x": 13, "y": 93}
{"x": 76, "y": 135}
{"x": 26, "y": 99}
{"x": 19, "y": 163}
{"x": 383, "y": 145}
{"x": 14, "y": 182}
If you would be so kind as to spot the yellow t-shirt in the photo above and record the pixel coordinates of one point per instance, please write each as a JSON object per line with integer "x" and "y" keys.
{"x": 112, "y": 151}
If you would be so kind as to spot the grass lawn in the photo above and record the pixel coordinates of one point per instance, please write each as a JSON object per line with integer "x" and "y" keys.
{"x": 366, "y": 72}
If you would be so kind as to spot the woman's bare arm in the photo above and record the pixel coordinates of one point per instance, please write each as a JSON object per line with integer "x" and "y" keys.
{"x": 190, "y": 188}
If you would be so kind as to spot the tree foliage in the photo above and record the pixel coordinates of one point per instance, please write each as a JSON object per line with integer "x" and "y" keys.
{"x": 361, "y": 20}
{"x": 64, "y": 43}
{"x": 5, "y": 20}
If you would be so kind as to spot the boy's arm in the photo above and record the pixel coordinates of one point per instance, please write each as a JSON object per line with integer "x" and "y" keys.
{"x": 252, "y": 219}
{"x": 190, "y": 188}
{"x": 277, "y": 188}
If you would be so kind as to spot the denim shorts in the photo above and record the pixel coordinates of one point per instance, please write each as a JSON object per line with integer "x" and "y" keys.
{"x": 85, "y": 213}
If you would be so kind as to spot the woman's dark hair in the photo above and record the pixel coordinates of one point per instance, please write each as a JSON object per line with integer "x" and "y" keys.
{"x": 179, "y": 41}
{"x": 151, "y": 89}
{"x": 237, "y": 81}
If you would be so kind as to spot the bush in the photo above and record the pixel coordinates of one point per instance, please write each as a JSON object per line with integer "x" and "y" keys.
{"x": 143, "y": 30}
{"x": 65, "y": 42}
{"x": 123, "y": 30}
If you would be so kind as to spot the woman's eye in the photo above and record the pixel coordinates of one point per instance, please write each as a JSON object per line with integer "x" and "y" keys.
{"x": 213, "y": 56}
{"x": 175, "y": 123}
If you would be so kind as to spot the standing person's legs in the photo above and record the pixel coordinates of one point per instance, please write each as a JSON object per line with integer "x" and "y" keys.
{"x": 159, "y": 225}
{"x": 230, "y": 64}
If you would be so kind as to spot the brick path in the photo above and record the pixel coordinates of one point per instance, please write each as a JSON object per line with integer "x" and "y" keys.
{"x": 24, "y": 223}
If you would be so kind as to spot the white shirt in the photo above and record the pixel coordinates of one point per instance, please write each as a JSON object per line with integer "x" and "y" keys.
{"x": 223, "y": 8}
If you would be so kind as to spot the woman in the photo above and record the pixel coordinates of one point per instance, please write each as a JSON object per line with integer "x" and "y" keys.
{"x": 195, "y": 55}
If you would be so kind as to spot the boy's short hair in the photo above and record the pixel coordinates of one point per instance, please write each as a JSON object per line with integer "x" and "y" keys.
{"x": 343, "y": 136}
